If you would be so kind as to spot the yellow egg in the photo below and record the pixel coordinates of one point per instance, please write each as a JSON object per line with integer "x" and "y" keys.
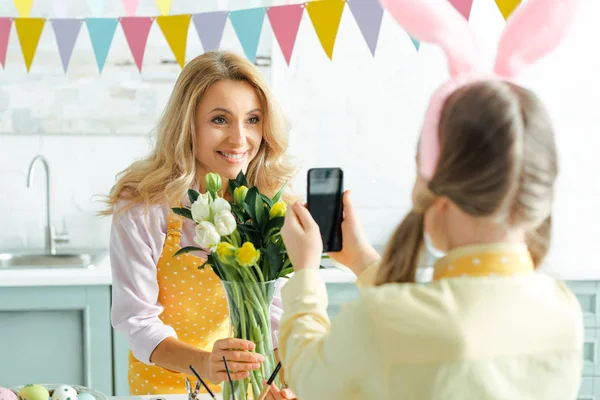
{"x": 34, "y": 392}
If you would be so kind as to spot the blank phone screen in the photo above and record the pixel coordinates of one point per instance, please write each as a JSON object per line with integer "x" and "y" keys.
{"x": 325, "y": 205}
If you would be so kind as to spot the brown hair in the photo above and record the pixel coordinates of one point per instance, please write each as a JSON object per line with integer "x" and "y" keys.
{"x": 497, "y": 159}
{"x": 165, "y": 175}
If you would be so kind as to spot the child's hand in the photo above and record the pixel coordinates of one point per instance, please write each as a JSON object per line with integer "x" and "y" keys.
{"x": 357, "y": 253}
{"x": 276, "y": 394}
{"x": 302, "y": 238}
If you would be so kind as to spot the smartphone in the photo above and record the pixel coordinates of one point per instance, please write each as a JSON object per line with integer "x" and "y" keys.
{"x": 324, "y": 201}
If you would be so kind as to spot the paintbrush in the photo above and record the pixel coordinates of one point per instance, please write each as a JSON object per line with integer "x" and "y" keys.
{"x": 265, "y": 391}
{"x": 229, "y": 376}
{"x": 202, "y": 382}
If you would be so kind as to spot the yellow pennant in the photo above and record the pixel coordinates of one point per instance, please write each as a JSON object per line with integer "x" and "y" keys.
{"x": 175, "y": 30}
{"x": 29, "y": 31}
{"x": 506, "y": 7}
{"x": 23, "y": 7}
{"x": 326, "y": 16}
{"x": 164, "y": 6}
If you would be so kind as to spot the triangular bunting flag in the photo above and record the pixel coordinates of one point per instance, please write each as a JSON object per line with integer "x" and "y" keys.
{"x": 175, "y": 29}
{"x": 210, "y": 27}
{"x": 96, "y": 7}
{"x": 136, "y": 31}
{"x": 131, "y": 7}
{"x": 326, "y": 16}
{"x": 164, "y": 6}
{"x": 368, "y": 15}
{"x": 415, "y": 42}
{"x": 29, "y": 31}
{"x": 23, "y": 7}
{"x": 506, "y": 7}
{"x": 102, "y": 31}
{"x": 5, "y": 25}
{"x": 463, "y": 7}
{"x": 61, "y": 8}
{"x": 285, "y": 21}
{"x": 66, "y": 32}
{"x": 248, "y": 26}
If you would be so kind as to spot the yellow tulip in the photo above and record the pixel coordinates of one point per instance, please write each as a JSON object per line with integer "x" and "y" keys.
{"x": 247, "y": 255}
{"x": 226, "y": 252}
{"x": 278, "y": 210}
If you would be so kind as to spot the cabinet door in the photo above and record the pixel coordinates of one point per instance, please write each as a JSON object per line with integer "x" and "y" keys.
{"x": 56, "y": 335}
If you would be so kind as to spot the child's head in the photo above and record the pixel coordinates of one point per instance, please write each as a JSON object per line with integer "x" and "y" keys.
{"x": 221, "y": 117}
{"x": 486, "y": 159}
{"x": 494, "y": 179}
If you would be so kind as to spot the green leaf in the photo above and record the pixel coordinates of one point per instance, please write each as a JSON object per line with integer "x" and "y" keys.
{"x": 285, "y": 272}
{"x": 250, "y": 203}
{"x": 275, "y": 261}
{"x": 184, "y": 212}
{"x": 275, "y": 223}
{"x": 187, "y": 249}
{"x": 193, "y": 195}
{"x": 232, "y": 185}
{"x": 241, "y": 180}
{"x": 217, "y": 266}
{"x": 279, "y": 194}
{"x": 239, "y": 213}
{"x": 267, "y": 200}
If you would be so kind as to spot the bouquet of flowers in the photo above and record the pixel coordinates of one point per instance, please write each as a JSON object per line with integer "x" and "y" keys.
{"x": 247, "y": 253}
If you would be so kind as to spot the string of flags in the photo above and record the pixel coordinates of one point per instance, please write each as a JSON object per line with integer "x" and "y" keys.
{"x": 325, "y": 16}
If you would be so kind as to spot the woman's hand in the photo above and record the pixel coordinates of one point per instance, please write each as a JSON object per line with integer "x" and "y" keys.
{"x": 357, "y": 253}
{"x": 302, "y": 238}
{"x": 276, "y": 394}
{"x": 240, "y": 360}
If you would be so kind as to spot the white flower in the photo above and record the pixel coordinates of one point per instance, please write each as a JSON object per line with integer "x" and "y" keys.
{"x": 207, "y": 236}
{"x": 219, "y": 205}
{"x": 201, "y": 208}
{"x": 225, "y": 223}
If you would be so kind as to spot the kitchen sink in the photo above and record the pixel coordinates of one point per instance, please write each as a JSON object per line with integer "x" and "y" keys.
{"x": 39, "y": 259}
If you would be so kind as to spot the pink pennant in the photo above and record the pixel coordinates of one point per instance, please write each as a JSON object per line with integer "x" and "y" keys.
{"x": 131, "y": 7}
{"x": 136, "y": 31}
{"x": 5, "y": 25}
{"x": 463, "y": 7}
{"x": 285, "y": 21}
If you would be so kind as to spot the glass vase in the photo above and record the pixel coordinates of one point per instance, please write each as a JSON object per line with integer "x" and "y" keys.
{"x": 249, "y": 312}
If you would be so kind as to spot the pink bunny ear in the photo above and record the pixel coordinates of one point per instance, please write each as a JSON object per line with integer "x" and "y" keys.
{"x": 534, "y": 30}
{"x": 438, "y": 22}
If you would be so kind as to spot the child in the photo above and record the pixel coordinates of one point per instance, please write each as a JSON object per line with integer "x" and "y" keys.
{"x": 488, "y": 326}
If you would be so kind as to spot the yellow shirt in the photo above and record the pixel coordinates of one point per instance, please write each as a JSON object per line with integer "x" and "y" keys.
{"x": 501, "y": 332}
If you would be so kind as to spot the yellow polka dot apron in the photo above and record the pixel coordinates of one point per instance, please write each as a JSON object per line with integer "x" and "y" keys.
{"x": 194, "y": 305}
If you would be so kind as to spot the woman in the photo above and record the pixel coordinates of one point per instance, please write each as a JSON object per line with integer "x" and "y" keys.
{"x": 221, "y": 118}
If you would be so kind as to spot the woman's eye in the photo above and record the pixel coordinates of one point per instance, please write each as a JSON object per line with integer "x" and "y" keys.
{"x": 253, "y": 120}
{"x": 219, "y": 120}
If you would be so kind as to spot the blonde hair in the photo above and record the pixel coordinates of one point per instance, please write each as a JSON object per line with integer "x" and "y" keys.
{"x": 497, "y": 159}
{"x": 165, "y": 175}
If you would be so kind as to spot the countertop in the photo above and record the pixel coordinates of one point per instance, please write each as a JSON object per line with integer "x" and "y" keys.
{"x": 100, "y": 274}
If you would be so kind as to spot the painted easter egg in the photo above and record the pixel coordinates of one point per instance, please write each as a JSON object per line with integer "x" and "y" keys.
{"x": 64, "y": 392}
{"x": 85, "y": 396}
{"x": 7, "y": 394}
{"x": 34, "y": 392}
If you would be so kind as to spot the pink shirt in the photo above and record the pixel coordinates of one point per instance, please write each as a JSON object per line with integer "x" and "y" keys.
{"x": 136, "y": 243}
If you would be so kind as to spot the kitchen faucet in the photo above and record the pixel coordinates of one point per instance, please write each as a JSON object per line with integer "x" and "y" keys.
{"x": 52, "y": 238}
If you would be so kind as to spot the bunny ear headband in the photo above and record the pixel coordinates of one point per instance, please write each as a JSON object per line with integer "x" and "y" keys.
{"x": 534, "y": 29}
